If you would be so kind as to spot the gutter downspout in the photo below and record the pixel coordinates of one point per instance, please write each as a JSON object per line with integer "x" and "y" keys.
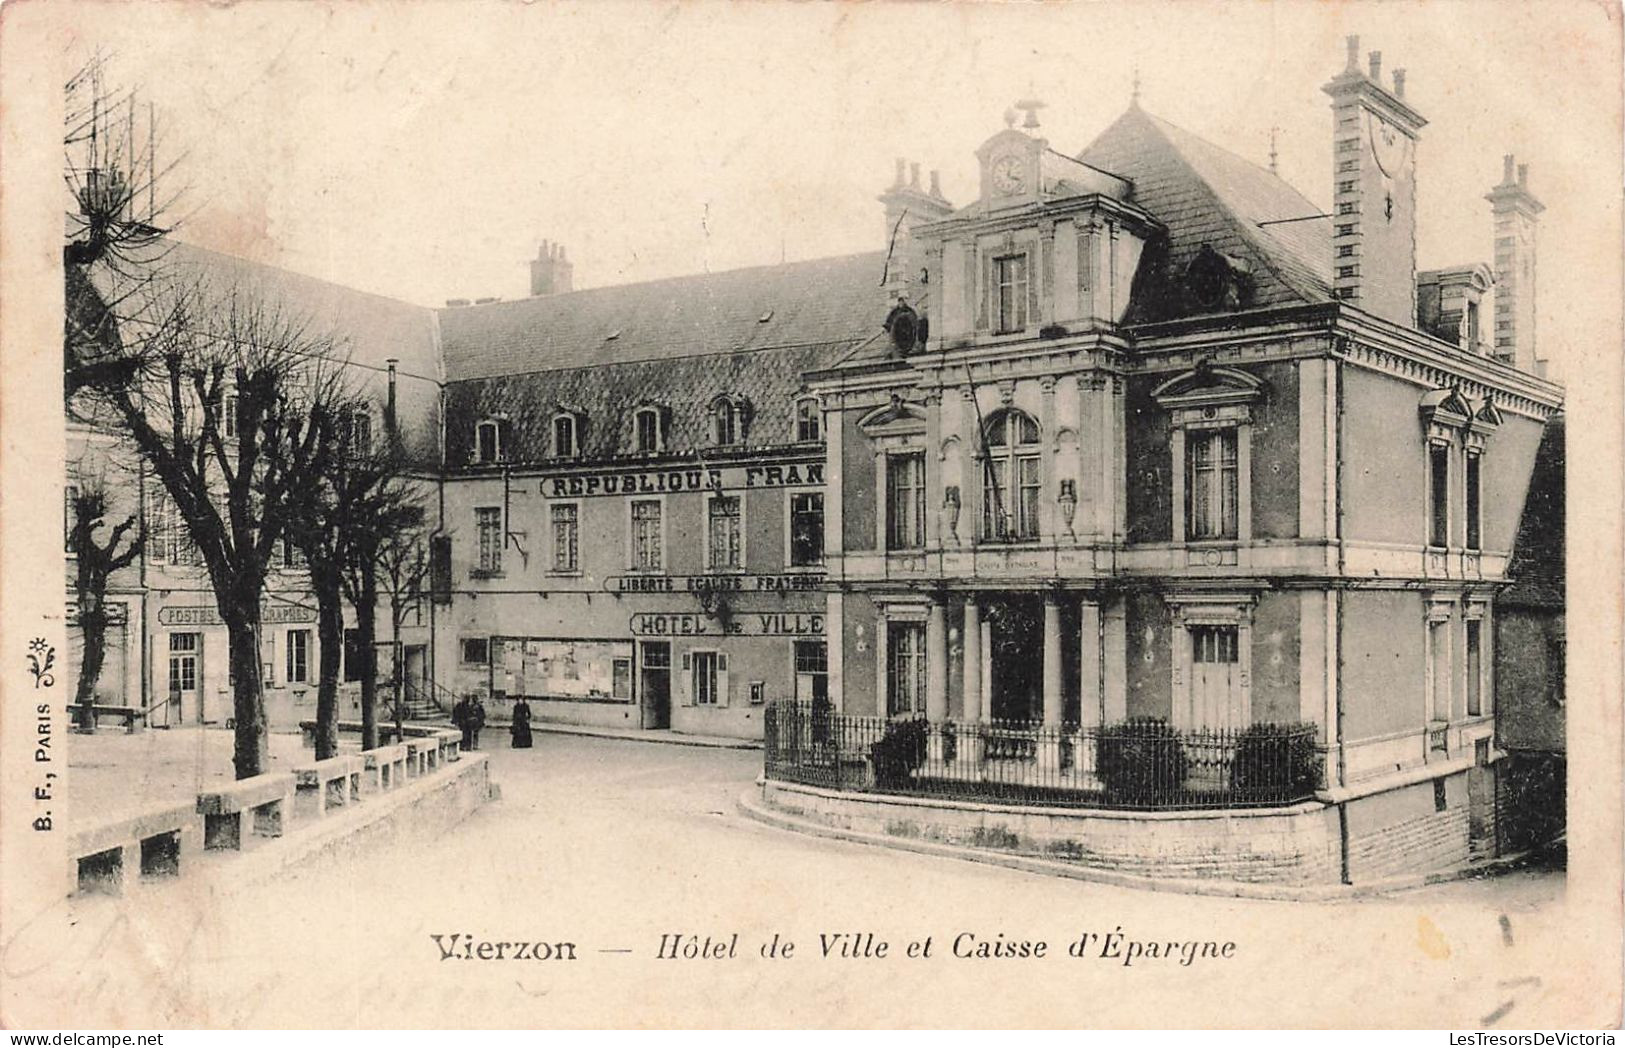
{"x": 1342, "y": 767}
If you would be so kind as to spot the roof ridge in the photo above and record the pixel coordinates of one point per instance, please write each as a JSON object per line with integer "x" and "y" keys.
{"x": 776, "y": 347}
{"x": 673, "y": 279}
{"x": 281, "y": 269}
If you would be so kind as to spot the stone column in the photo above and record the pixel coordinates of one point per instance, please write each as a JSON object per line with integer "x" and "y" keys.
{"x": 1091, "y": 711}
{"x": 1049, "y": 753}
{"x": 1049, "y": 524}
{"x": 936, "y": 675}
{"x": 933, "y": 470}
{"x": 974, "y": 715}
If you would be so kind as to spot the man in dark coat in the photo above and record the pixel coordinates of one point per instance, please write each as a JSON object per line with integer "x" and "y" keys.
{"x": 462, "y": 715}
{"x": 476, "y": 719}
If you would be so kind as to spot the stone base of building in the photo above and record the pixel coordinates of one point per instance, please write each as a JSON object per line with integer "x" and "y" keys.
{"x": 1373, "y": 838}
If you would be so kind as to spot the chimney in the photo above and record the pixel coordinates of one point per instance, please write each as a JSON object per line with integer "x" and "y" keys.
{"x": 909, "y": 205}
{"x": 1374, "y": 133}
{"x": 1515, "y": 212}
{"x": 391, "y": 430}
{"x": 551, "y": 273}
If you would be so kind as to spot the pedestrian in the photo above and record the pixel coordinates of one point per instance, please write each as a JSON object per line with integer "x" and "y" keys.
{"x": 462, "y": 715}
{"x": 520, "y": 728}
{"x": 476, "y": 719}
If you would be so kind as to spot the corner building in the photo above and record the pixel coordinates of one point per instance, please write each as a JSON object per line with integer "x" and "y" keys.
{"x": 1179, "y": 445}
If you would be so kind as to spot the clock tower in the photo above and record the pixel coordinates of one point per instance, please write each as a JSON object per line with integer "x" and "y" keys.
{"x": 1374, "y": 190}
{"x": 1010, "y": 162}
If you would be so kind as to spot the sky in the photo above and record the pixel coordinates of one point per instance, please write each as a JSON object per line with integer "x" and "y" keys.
{"x": 423, "y": 151}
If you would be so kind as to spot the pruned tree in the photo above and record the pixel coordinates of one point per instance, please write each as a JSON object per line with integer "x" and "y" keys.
{"x": 215, "y": 390}
{"x": 394, "y": 514}
{"x": 121, "y": 203}
{"x": 96, "y": 559}
{"x": 403, "y": 571}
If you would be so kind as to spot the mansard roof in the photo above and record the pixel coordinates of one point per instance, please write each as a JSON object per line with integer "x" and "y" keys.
{"x": 1206, "y": 195}
{"x": 828, "y": 300}
{"x": 1537, "y": 567}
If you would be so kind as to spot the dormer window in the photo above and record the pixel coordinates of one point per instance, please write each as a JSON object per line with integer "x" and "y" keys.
{"x": 809, "y": 420}
{"x": 490, "y": 440}
{"x": 566, "y": 435}
{"x": 650, "y": 429}
{"x": 730, "y": 418}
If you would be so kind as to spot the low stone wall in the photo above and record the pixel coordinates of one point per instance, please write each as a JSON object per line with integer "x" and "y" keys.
{"x": 1405, "y": 830}
{"x": 1298, "y": 845}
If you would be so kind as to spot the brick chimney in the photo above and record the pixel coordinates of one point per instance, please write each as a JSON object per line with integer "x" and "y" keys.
{"x": 1374, "y": 135}
{"x": 908, "y": 206}
{"x": 1515, "y": 210}
{"x": 551, "y": 273}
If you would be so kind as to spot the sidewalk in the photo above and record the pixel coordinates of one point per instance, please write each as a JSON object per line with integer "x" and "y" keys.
{"x": 663, "y": 735}
{"x": 112, "y": 773}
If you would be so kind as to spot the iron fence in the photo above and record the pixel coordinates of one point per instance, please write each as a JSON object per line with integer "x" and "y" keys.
{"x": 1142, "y": 764}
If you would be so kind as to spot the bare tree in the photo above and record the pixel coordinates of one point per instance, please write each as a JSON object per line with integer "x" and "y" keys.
{"x": 95, "y": 561}
{"x": 215, "y": 391}
{"x": 403, "y": 570}
{"x": 395, "y": 513}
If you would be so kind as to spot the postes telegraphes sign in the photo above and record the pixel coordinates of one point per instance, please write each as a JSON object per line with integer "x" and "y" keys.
{"x": 209, "y": 615}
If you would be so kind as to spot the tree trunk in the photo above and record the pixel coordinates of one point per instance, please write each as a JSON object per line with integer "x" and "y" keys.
{"x": 251, "y": 751}
{"x": 93, "y": 630}
{"x": 366, "y": 623}
{"x": 330, "y": 634}
{"x": 400, "y": 674}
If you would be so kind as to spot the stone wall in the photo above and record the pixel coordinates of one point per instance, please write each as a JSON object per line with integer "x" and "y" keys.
{"x": 1403, "y": 831}
{"x": 1295, "y": 846}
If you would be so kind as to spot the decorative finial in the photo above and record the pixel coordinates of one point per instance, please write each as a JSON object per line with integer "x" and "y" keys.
{"x": 1134, "y": 98}
{"x": 1030, "y": 106}
{"x": 1274, "y": 170}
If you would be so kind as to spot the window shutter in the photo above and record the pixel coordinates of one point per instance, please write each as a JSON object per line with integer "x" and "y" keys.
{"x": 722, "y": 679}
{"x": 685, "y": 682}
{"x": 688, "y": 663}
{"x": 722, "y": 662}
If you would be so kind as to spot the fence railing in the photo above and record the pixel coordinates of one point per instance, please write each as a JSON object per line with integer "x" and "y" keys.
{"x": 1137, "y": 764}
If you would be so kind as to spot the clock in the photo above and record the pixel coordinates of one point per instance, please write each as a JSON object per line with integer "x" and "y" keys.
{"x": 1009, "y": 175}
{"x": 1389, "y": 146}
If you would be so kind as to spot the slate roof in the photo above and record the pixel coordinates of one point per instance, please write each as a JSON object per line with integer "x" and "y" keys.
{"x": 1208, "y": 195}
{"x": 1537, "y": 569}
{"x": 368, "y": 329}
{"x": 609, "y": 394}
{"x": 806, "y": 303}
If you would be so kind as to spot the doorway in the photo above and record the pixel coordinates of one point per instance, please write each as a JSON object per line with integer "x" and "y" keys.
{"x": 656, "y": 660}
{"x": 185, "y": 656}
{"x": 1215, "y": 692}
{"x": 1013, "y": 637}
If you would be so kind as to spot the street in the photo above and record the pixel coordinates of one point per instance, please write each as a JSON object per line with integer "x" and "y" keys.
{"x": 616, "y": 852}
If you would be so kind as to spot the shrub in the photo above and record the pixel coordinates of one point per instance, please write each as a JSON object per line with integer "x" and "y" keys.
{"x": 898, "y": 753}
{"x": 1140, "y": 761}
{"x": 1278, "y": 762}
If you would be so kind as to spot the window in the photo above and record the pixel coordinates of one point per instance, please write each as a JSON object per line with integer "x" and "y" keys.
{"x": 905, "y": 501}
{"x": 1211, "y": 484}
{"x": 488, "y": 524}
{"x": 706, "y": 667}
{"x": 298, "y": 656}
{"x": 809, "y": 423}
{"x": 170, "y": 538}
{"x": 293, "y": 558}
{"x": 488, "y": 442}
{"x": 725, "y": 538}
{"x": 566, "y": 442}
{"x": 905, "y": 671}
{"x": 228, "y": 416}
{"x": 1010, "y": 292}
{"x": 646, "y": 535}
{"x": 353, "y": 655}
{"x": 621, "y": 678}
{"x": 730, "y": 416}
{"x": 69, "y": 495}
{"x": 806, "y": 529}
{"x": 651, "y": 431}
{"x": 1013, "y": 480}
{"x": 1439, "y": 495}
{"x": 476, "y": 651}
{"x": 1475, "y": 669}
{"x": 565, "y": 532}
{"x": 1213, "y": 644}
{"x": 811, "y": 658}
{"x": 1438, "y": 651}
{"x": 355, "y": 432}
{"x": 1474, "y": 498}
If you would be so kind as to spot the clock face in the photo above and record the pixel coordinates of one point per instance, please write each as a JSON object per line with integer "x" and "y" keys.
{"x": 1389, "y": 146}
{"x": 1009, "y": 174}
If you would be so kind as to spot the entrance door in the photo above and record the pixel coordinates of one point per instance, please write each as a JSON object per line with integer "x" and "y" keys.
{"x": 185, "y": 706}
{"x": 1215, "y": 678}
{"x": 656, "y": 684}
{"x": 1014, "y": 648}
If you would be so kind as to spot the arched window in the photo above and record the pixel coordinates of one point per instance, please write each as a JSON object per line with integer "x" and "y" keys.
{"x": 650, "y": 429}
{"x": 730, "y": 418}
{"x": 490, "y": 438}
{"x": 566, "y": 435}
{"x": 1013, "y": 478}
{"x": 809, "y": 420}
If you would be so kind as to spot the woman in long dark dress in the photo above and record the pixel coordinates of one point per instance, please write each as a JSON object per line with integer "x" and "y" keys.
{"x": 520, "y": 728}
